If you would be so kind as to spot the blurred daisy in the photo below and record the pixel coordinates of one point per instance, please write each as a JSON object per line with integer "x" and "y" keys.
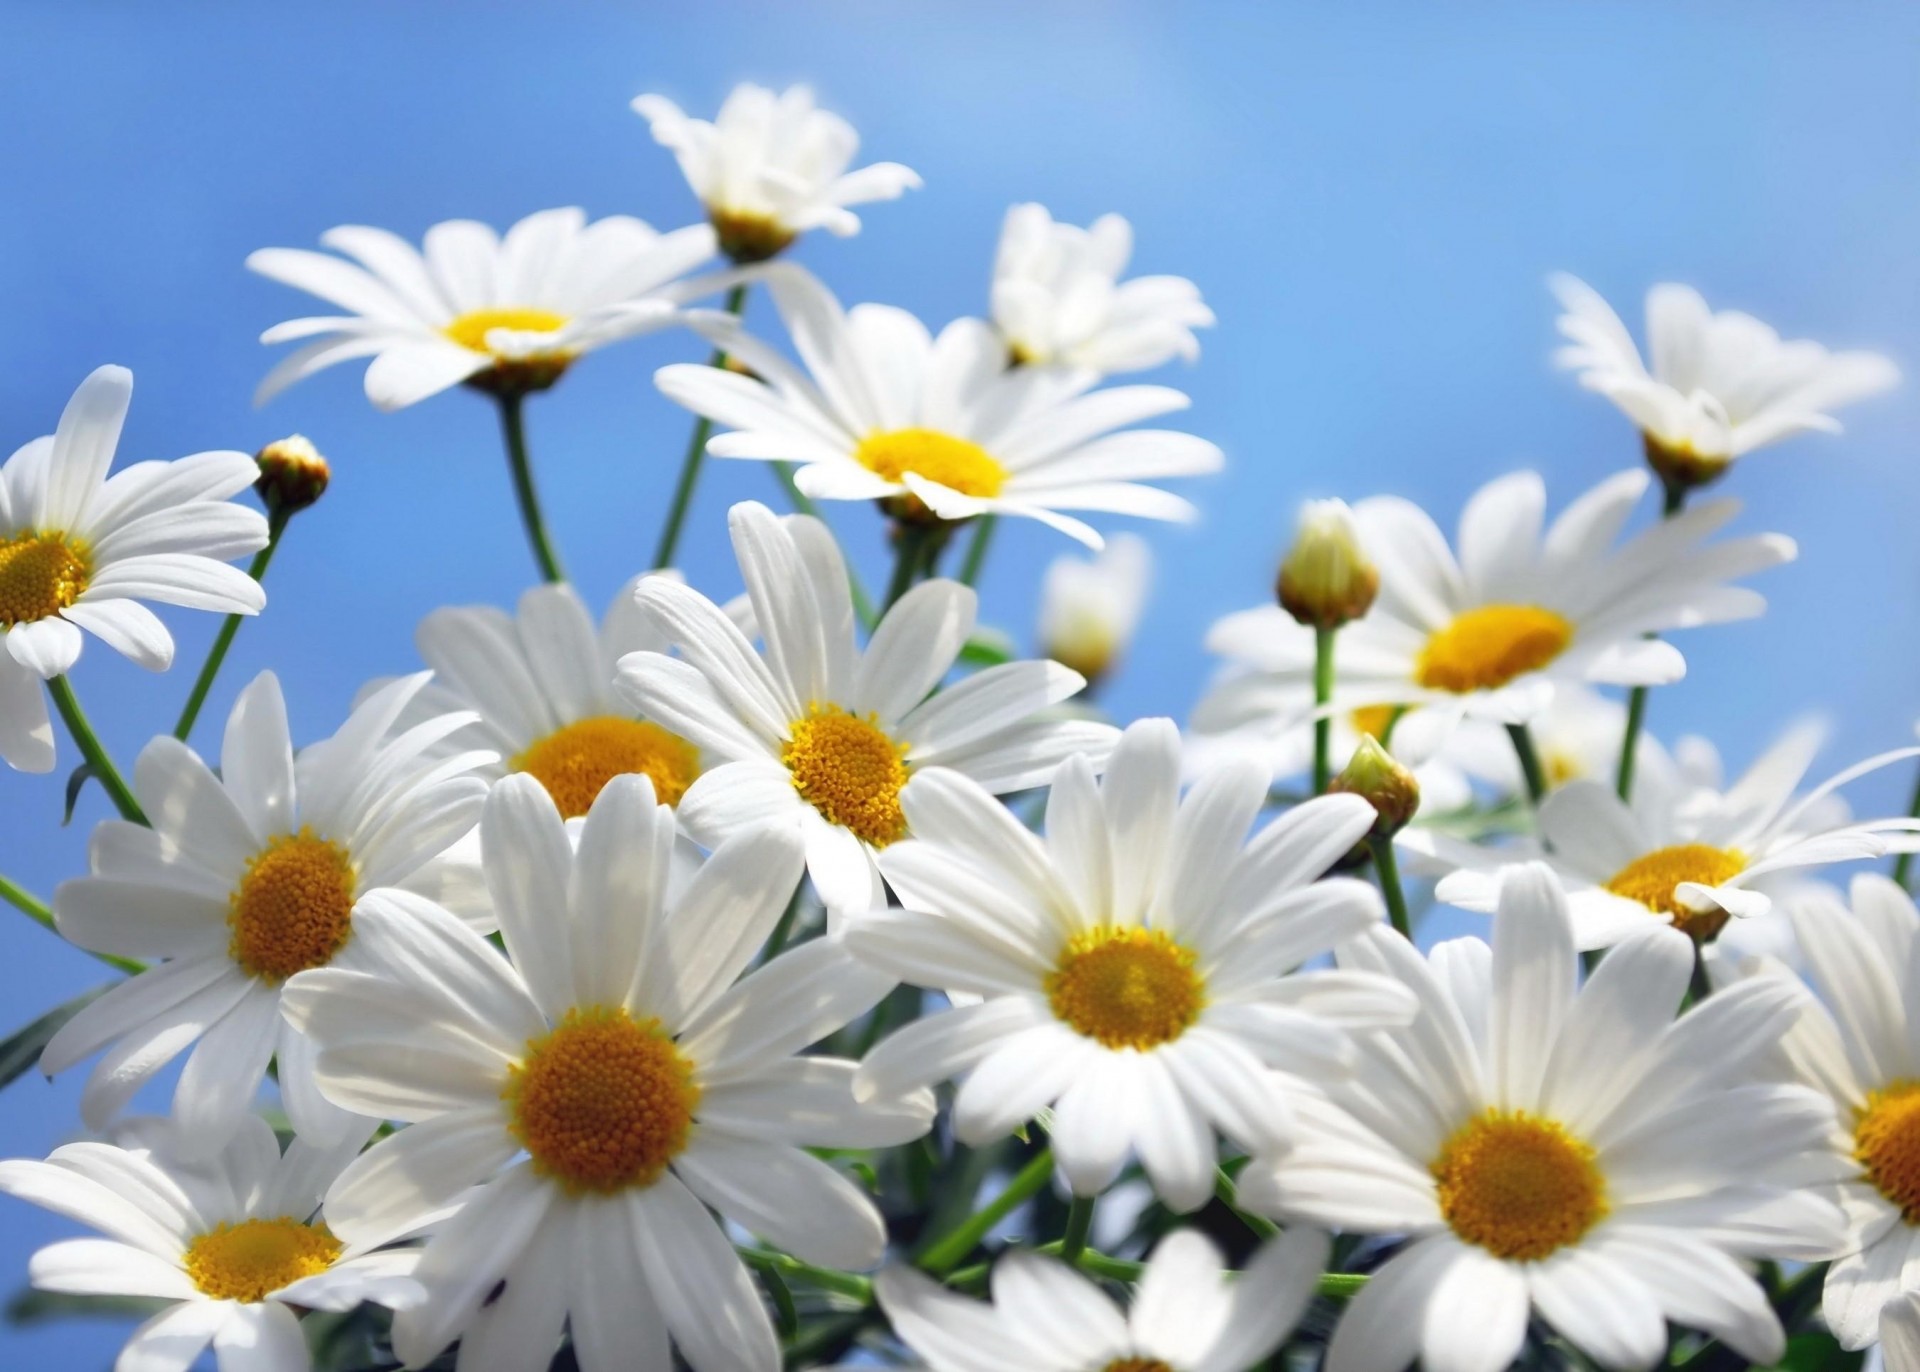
{"x": 507, "y": 314}
{"x": 771, "y": 166}
{"x": 1583, "y": 1157}
{"x": 1720, "y": 385}
{"x": 82, "y": 550}
{"x": 1129, "y": 970}
{"x": 1089, "y": 607}
{"x": 234, "y": 1242}
{"x": 1576, "y": 736}
{"x": 886, "y": 410}
{"x": 815, "y": 732}
{"x": 1058, "y": 298}
{"x": 1188, "y": 1311}
{"x": 247, "y": 877}
{"x": 578, "y": 1108}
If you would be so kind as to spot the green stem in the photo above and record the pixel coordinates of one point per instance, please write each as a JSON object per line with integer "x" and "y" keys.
{"x": 1229, "y": 1194}
{"x": 1337, "y": 1285}
{"x": 91, "y": 748}
{"x": 513, "y": 428}
{"x": 36, "y": 910}
{"x": 1322, "y": 722}
{"x": 1673, "y": 500}
{"x": 696, "y": 454}
{"x": 944, "y": 1253}
{"x": 849, "y": 1284}
{"x": 1903, "y": 865}
{"x": 1701, "y": 986}
{"x": 805, "y": 504}
{"x": 217, "y": 655}
{"x": 909, "y": 556}
{"x": 1529, "y": 762}
{"x": 983, "y": 528}
{"x": 777, "y": 941}
{"x": 1073, "y": 1244}
{"x": 1387, "y": 867}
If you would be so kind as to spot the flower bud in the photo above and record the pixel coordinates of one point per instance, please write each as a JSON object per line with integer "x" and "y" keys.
{"x": 1327, "y": 578}
{"x": 292, "y": 474}
{"x": 1372, "y": 774}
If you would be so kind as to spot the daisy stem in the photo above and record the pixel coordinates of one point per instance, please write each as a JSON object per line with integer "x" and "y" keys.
{"x": 1073, "y": 1244}
{"x": 1387, "y": 867}
{"x": 36, "y": 910}
{"x": 1673, "y": 500}
{"x": 217, "y": 655}
{"x": 1229, "y": 1196}
{"x": 1903, "y": 864}
{"x": 1322, "y": 723}
{"x": 514, "y": 429}
{"x": 1701, "y": 985}
{"x": 944, "y": 1253}
{"x": 696, "y": 454}
{"x": 849, "y": 1284}
{"x": 1529, "y": 762}
{"x": 93, "y": 750}
{"x": 911, "y": 551}
{"x": 977, "y": 550}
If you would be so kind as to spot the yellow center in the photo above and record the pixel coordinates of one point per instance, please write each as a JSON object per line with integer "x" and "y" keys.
{"x": 952, "y": 462}
{"x": 1126, "y": 987}
{"x": 40, "y": 575}
{"x": 749, "y": 235}
{"x": 294, "y": 907}
{"x": 850, "y": 771}
{"x": 1652, "y": 877}
{"x": 1376, "y": 720}
{"x": 1519, "y": 1186}
{"x": 1886, "y": 1142}
{"x": 1490, "y": 645}
{"x": 602, "y": 1102}
{"x": 1136, "y": 1365}
{"x": 576, "y": 761}
{"x": 470, "y": 330}
{"x": 1562, "y": 767}
{"x": 250, "y": 1260}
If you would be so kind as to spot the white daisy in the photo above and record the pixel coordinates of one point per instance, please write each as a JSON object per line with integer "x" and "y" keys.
{"x": 506, "y": 314}
{"x": 82, "y": 550}
{"x": 234, "y": 1242}
{"x": 1577, "y": 735}
{"x": 1900, "y": 1335}
{"x": 579, "y": 1107}
{"x": 1089, "y": 608}
{"x": 885, "y": 410}
{"x": 1720, "y": 385}
{"x": 812, "y": 730}
{"x": 771, "y": 166}
{"x": 1129, "y": 969}
{"x": 1058, "y": 298}
{"x": 1580, "y": 1156}
{"x": 247, "y": 877}
{"x": 1189, "y": 1313}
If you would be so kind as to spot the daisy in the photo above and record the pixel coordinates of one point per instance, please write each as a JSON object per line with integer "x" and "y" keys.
{"x": 771, "y": 166}
{"x": 1058, "y": 299}
{"x": 579, "y": 1108}
{"x": 234, "y": 1242}
{"x": 247, "y": 877}
{"x": 507, "y": 314}
{"x": 1720, "y": 385}
{"x": 1189, "y": 1313}
{"x": 1129, "y": 969}
{"x": 82, "y": 550}
{"x": 1089, "y": 608}
{"x": 1583, "y": 1157}
{"x": 817, "y": 733}
{"x": 1577, "y": 735}
{"x": 885, "y": 410}
{"x": 1900, "y": 1335}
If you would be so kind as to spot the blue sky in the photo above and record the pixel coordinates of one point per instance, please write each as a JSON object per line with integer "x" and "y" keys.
{"x": 1370, "y": 196}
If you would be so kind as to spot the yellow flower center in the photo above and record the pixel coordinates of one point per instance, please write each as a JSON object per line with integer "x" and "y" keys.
{"x": 1561, "y": 767}
{"x": 1886, "y": 1142}
{"x": 293, "y": 909}
{"x": 1376, "y": 720}
{"x": 1126, "y": 987}
{"x": 749, "y": 235}
{"x": 1652, "y": 877}
{"x": 40, "y": 575}
{"x": 250, "y": 1260}
{"x": 1136, "y": 1365}
{"x": 575, "y": 762}
{"x": 1519, "y": 1186}
{"x": 850, "y": 771}
{"x": 952, "y": 462}
{"x": 602, "y": 1102}
{"x": 470, "y": 330}
{"x": 1490, "y": 645}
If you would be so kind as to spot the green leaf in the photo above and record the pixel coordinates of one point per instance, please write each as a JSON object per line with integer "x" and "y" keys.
{"x": 988, "y": 648}
{"x": 76, "y": 783}
{"x": 38, "y": 1307}
{"x": 21, "y": 1050}
{"x": 1818, "y": 1351}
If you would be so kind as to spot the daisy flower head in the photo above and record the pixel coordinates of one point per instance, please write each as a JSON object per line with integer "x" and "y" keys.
{"x": 1058, "y": 299}
{"x": 248, "y": 876}
{"x": 580, "y": 1106}
{"x": 815, "y": 732}
{"x": 1089, "y": 607}
{"x": 883, "y": 410}
{"x": 771, "y": 166}
{"x": 505, "y": 313}
{"x": 1714, "y": 387}
{"x": 1576, "y": 1154}
{"x": 235, "y": 1242}
{"x": 1189, "y": 1312}
{"x": 1134, "y": 969}
{"x": 82, "y": 550}
{"x": 1577, "y": 735}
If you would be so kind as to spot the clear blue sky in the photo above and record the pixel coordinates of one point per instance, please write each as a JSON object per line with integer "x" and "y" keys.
{"x": 1370, "y": 196}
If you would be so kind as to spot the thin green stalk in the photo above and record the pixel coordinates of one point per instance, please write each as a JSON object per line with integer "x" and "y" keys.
{"x": 1903, "y": 865}
{"x": 1701, "y": 985}
{"x": 36, "y": 910}
{"x": 1337, "y": 1285}
{"x": 1073, "y": 1244}
{"x": 696, "y": 455}
{"x": 1387, "y": 867}
{"x": 514, "y": 429}
{"x": 909, "y": 557}
{"x": 1229, "y": 1194}
{"x": 1322, "y": 722}
{"x": 849, "y": 1284}
{"x": 217, "y": 655}
{"x": 93, "y": 750}
{"x": 983, "y": 528}
{"x": 1673, "y": 500}
{"x": 1529, "y": 762}
{"x": 944, "y": 1253}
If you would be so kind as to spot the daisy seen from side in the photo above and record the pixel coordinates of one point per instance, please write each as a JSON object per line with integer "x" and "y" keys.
{"x": 1090, "y": 607}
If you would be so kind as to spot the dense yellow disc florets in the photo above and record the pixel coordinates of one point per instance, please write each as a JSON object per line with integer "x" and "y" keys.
{"x": 602, "y": 1102}
{"x": 952, "y": 462}
{"x": 1376, "y": 720}
{"x": 40, "y": 575}
{"x": 847, "y": 768}
{"x": 1652, "y": 877}
{"x": 749, "y": 235}
{"x": 1886, "y": 1142}
{"x": 294, "y": 907}
{"x": 575, "y": 762}
{"x": 1490, "y": 645}
{"x": 1136, "y": 1365}
{"x": 1519, "y": 1186}
{"x": 470, "y": 330}
{"x": 250, "y": 1260}
{"x": 1126, "y": 987}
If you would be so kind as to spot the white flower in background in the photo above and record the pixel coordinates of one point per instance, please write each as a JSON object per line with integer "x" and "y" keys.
{"x": 1583, "y": 1157}
{"x": 580, "y": 1107}
{"x": 235, "y": 1241}
{"x": 82, "y": 550}
{"x": 1058, "y": 299}
{"x": 1129, "y": 969}
{"x": 247, "y": 877}
{"x": 771, "y": 166}
{"x": 1577, "y": 736}
{"x": 1089, "y": 607}
{"x": 1188, "y": 1311}
{"x": 507, "y": 314}
{"x": 884, "y": 409}
{"x": 1718, "y": 385}
{"x": 817, "y": 733}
